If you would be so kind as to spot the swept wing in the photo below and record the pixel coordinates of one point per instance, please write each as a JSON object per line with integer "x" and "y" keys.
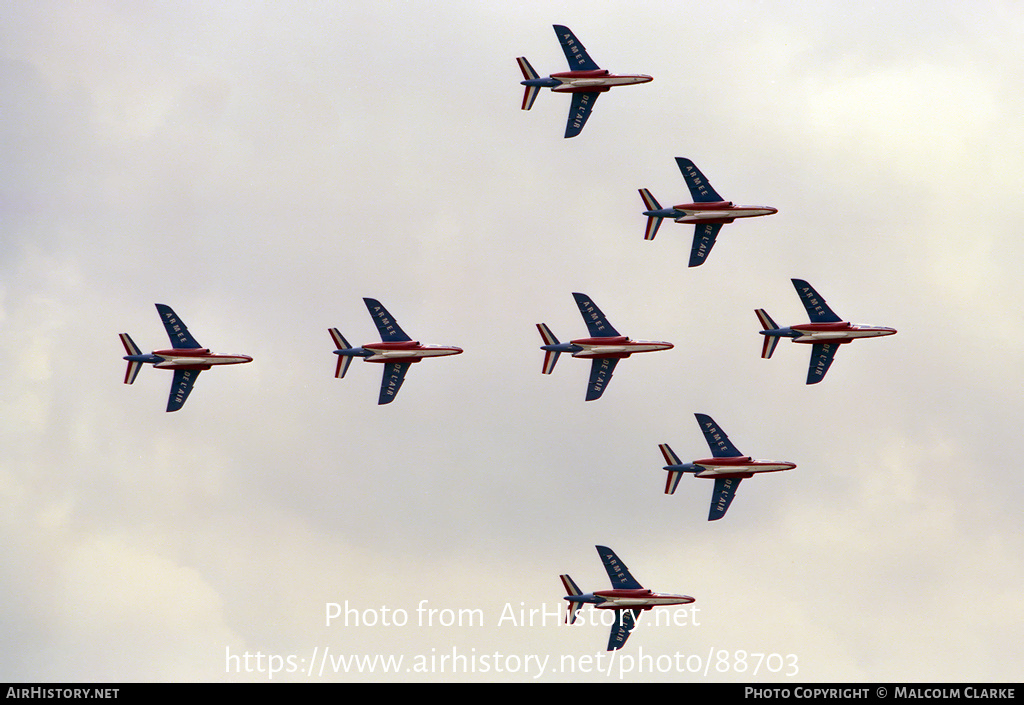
{"x": 618, "y": 573}
{"x": 391, "y": 382}
{"x": 389, "y": 330}
{"x": 703, "y": 240}
{"x": 176, "y": 330}
{"x": 721, "y": 446}
{"x": 721, "y": 497}
{"x": 625, "y": 620}
{"x": 700, "y": 189}
{"x": 579, "y": 112}
{"x": 601, "y": 369}
{"x": 822, "y": 355}
{"x": 181, "y": 387}
{"x": 597, "y": 322}
{"x": 817, "y": 310}
{"x": 575, "y": 53}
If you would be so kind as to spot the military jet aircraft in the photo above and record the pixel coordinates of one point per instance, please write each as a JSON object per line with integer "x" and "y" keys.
{"x": 627, "y": 597}
{"x": 396, "y": 350}
{"x": 585, "y": 81}
{"x": 709, "y": 212}
{"x": 187, "y": 358}
{"x": 728, "y": 466}
{"x": 825, "y": 333}
{"x": 605, "y": 346}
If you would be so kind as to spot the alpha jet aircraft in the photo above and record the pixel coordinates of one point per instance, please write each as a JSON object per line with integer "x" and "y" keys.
{"x": 585, "y": 80}
{"x": 187, "y": 358}
{"x": 826, "y": 331}
{"x": 627, "y": 597}
{"x": 709, "y": 212}
{"x": 728, "y": 467}
{"x": 396, "y": 350}
{"x": 605, "y": 346}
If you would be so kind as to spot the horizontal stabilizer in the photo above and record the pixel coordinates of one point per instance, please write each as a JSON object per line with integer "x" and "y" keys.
{"x": 570, "y": 586}
{"x": 765, "y": 320}
{"x": 649, "y": 200}
{"x": 651, "y": 230}
{"x": 571, "y": 590}
{"x": 342, "y": 367}
{"x": 673, "y": 481}
{"x": 343, "y": 360}
{"x": 129, "y": 345}
{"x": 529, "y": 96}
{"x": 339, "y": 340}
{"x": 770, "y": 341}
{"x": 653, "y": 222}
{"x": 670, "y": 456}
{"x": 133, "y": 365}
{"x": 550, "y": 356}
{"x": 132, "y": 372}
{"x": 528, "y": 72}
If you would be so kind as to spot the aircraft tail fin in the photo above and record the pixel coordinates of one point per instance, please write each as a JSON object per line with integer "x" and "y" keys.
{"x": 343, "y": 360}
{"x": 672, "y": 481}
{"x": 672, "y": 460}
{"x": 770, "y": 341}
{"x": 550, "y": 356}
{"x": 653, "y": 221}
{"x": 133, "y": 365}
{"x": 571, "y": 590}
{"x": 530, "y": 94}
{"x": 670, "y": 456}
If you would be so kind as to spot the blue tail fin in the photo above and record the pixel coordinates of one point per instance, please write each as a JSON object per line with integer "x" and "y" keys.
{"x": 133, "y": 365}
{"x": 770, "y": 341}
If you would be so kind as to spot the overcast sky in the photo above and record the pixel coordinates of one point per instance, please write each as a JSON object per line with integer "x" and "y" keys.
{"x": 261, "y": 167}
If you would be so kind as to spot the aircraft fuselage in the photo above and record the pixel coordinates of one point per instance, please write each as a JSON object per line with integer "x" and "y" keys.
{"x": 717, "y": 212}
{"x": 835, "y": 332}
{"x": 641, "y": 599}
{"x": 619, "y": 346}
{"x": 743, "y": 466}
{"x": 592, "y": 81}
{"x": 406, "y": 351}
{"x": 189, "y": 358}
